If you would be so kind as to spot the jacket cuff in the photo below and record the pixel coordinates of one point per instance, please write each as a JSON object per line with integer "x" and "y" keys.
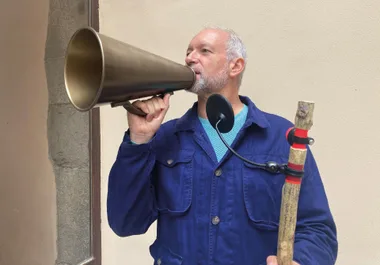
{"x": 128, "y": 147}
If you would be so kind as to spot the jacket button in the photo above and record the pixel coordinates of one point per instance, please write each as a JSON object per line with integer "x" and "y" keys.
{"x": 215, "y": 220}
{"x": 170, "y": 161}
{"x": 159, "y": 262}
{"x": 218, "y": 172}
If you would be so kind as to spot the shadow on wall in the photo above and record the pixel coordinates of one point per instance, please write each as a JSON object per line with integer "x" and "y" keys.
{"x": 27, "y": 188}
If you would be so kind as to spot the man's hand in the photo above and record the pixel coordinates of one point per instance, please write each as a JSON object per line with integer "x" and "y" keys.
{"x": 272, "y": 260}
{"x": 142, "y": 129}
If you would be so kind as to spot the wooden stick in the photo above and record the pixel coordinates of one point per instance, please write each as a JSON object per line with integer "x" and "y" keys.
{"x": 291, "y": 188}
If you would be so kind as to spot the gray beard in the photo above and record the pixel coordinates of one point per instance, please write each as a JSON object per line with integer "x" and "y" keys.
{"x": 208, "y": 85}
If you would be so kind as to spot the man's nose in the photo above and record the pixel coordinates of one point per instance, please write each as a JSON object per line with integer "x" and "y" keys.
{"x": 191, "y": 58}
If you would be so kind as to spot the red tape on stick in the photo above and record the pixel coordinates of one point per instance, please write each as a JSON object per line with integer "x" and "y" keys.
{"x": 291, "y": 179}
{"x": 301, "y": 134}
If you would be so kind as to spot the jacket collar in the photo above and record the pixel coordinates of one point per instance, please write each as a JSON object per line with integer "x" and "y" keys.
{"x": 189, "y": 120}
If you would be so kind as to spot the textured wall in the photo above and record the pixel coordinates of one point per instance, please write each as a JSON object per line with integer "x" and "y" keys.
{"x": 325, "y": 51}
{"x": 68, "y": 135}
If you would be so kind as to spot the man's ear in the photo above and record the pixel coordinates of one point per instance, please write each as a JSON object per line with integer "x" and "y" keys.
{"x": 236, "y": 67}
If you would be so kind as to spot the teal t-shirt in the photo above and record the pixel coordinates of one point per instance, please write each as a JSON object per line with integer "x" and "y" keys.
{"x": 219, "y": 147}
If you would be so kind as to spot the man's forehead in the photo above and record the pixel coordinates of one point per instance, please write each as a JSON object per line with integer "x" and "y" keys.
{"x": 209, "y": 37}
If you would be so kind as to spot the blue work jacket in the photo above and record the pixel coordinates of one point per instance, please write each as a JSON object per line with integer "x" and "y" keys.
{"x": 210, "y": 212}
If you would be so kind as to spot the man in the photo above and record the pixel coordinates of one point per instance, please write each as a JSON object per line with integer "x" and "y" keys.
{"x": 210, "y": 206}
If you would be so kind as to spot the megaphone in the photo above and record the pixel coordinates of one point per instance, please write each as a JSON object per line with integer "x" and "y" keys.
{"x": 101, "y": 70}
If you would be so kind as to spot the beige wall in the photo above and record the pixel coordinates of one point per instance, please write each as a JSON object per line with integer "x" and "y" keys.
{"x": 324, "y": 51}
{"x": 27, "y": 192}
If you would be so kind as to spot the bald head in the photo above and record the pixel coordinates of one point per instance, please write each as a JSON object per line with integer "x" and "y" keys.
{"x": 215, "y": 37}
{"x": 233, "y": 44}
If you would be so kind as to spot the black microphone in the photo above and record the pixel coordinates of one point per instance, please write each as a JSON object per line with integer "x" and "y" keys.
{"x": 221, "y": 116}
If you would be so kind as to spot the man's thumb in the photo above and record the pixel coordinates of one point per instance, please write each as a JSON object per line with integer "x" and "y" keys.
{"x": 166, "y": 98}
{"x": 272, "y": 260}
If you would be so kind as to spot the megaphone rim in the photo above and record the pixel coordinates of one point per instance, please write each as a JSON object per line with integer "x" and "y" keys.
{"x": 100, "y": 88}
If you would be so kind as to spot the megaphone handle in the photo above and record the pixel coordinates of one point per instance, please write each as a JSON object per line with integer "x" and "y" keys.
{"x": 132, "y": 109}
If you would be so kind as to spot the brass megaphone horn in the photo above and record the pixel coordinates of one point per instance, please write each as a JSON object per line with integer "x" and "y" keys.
{"x": 101, "y": 70}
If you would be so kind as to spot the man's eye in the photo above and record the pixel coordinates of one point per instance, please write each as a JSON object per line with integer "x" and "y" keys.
{"x": 205, "y": 50}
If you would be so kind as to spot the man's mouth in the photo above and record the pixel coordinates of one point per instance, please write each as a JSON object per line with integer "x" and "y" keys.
{"x": 197, "y": 72}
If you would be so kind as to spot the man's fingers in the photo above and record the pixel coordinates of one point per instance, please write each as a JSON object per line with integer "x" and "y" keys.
{"x": 145, "y": 108}
{"x": 153, "y": 107}
{"x": 272, "y": 260}
{"x": 141, "y": 105}
{"x": 151, "y": 114}
{"x": 161, "y": 105}
{"x": 156, "y": 107}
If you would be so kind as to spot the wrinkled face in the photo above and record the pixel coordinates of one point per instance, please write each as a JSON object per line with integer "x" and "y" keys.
{"x": 206, "y": 54}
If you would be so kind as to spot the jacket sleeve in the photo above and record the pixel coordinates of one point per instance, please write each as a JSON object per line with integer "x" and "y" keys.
{"x": 315, "y": 240}
{"x": 130, "y": 199}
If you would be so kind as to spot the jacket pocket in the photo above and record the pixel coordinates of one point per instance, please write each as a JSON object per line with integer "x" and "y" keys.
{"x": 173, "y": 180}
{"x": 262, "y": 192}
{"x": 163, "y": 255}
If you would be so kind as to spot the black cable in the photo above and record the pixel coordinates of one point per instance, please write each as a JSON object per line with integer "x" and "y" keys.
{"x": 263, "y": 166}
